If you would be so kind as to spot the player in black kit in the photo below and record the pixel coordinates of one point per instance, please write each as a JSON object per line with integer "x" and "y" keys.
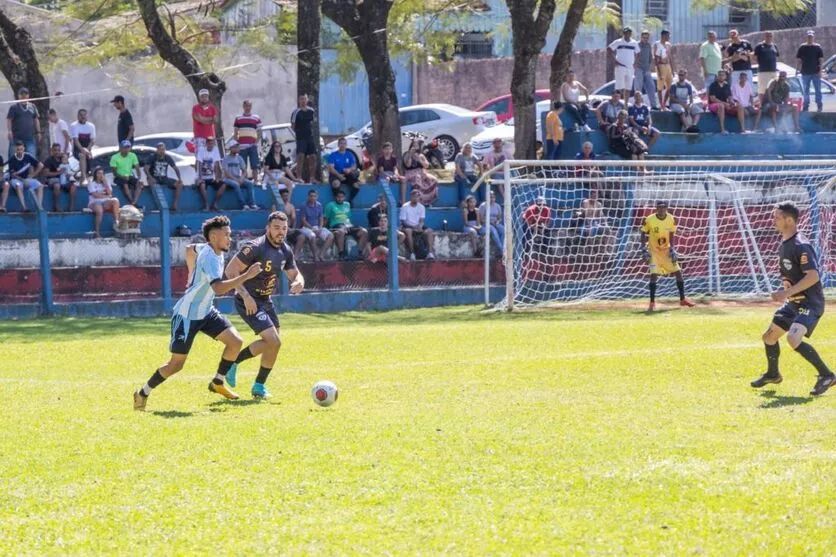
{"x": 252, "y": 300}
{"x": 803, "y": 298}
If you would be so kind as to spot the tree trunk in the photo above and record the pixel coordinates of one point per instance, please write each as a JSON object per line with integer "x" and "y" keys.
{"x": 170, "y": 50}
{"x": 19, "y": 65}
{"x": 562, "y": 57}
{"x": 529, "y": 36}
{"x": 308, "y": 24}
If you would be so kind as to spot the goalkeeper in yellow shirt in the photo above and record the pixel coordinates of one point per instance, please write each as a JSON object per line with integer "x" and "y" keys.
{"x": 657, "y": 244}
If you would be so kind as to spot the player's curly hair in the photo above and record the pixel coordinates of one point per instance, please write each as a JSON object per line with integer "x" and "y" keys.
{"x": 215, "y": 222}
{"x": 276, "y": 215}
{"x": 789, "y": 208}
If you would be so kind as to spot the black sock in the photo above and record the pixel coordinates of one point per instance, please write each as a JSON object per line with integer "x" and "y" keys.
{"x": 223, "y": 368}
{"x": 773, "y": 352}
{"x": 245, "y": 354}
{"x": 809, "y": 353}
{"x": 680, "y": 285}
{"x": 152, "y": 383}
{"x": 263, "y": 374}
{"x": 652, "y": 291}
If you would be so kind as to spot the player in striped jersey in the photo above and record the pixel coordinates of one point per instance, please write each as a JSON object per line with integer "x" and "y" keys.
{"x": 195, "y": 313}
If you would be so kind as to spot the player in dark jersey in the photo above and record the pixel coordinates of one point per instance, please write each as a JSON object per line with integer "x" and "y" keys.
{"x": 803, "y": 298}
{"x": 252, "y": 299}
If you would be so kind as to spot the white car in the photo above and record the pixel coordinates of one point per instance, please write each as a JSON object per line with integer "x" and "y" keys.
{"x": 453, "y": 126}
{"x": 181, "y": 143}
{"x": 483, "y": 142}
{"x": 102, "y": 155}
{"x": 283, "y": 133}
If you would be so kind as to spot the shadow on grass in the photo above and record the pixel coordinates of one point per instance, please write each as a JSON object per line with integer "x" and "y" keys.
{"x": 774, "y": 400}
{"x": 240, "y": 402}
{"x": 168, "y": 414}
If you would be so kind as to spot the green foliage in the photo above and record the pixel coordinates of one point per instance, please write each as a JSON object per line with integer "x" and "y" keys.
{"x": 774, "y": 7}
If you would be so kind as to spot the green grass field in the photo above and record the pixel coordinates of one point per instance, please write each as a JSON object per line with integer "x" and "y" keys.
{"x": 456, "y": 432}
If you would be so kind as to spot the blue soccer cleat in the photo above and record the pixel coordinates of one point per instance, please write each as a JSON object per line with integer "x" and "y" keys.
{"x": 231, "y": 375}
{"x": 260, "y": 391}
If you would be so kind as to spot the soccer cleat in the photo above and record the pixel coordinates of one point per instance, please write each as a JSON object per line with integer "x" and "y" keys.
{"x": 223, "y": 391}
{"x": 686, "y": 303}
{"x": 766, "y": 379}
{"x": 260, "y": 391}
{"x": 139, "y": 401}
{"x": 823, "y": 384}
{"x": 652, "y": 306}
{"x": 232, "y": 375}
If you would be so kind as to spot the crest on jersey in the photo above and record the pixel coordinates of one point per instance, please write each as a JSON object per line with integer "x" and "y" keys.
{"x": 804, "y": 259}
{"x": 247, "y": 250}
{"x": 787, "y": 264}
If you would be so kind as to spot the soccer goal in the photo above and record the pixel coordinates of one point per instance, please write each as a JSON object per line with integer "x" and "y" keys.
{"x": 572, "y": 228}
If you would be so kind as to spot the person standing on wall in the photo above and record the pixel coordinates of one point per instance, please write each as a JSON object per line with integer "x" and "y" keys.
{"x": 302, "y": 120}
{"x": 125, "y": 125}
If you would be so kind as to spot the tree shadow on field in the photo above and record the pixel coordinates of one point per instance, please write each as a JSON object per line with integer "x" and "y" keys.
{"x": 774, "y": 400}
{"x": 172, "y": 414}
{"x": 240, "y": 402}
{"x": 71, "y": 328}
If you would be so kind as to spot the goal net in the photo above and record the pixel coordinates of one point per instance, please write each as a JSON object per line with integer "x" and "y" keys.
{"x": 573, "y": 228}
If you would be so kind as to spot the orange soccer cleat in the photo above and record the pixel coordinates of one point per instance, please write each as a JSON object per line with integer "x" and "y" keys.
{"x": 686, "y": 303}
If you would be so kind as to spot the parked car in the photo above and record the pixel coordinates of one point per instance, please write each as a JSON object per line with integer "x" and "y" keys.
{"x": 483, "y": 142}
{"x": 829, "y": 69}
{"x": 504, "y": 107}
{"x": 451, "y": 125}
{"x": 181, "y": 143}
{"x": 102, "y": 155}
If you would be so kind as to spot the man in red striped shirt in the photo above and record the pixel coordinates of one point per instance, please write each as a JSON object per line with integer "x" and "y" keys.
{"x": 247, "y": 128}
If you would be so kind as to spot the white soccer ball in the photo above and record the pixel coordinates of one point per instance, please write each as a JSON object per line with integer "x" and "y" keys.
{"x": 325, "y": 393}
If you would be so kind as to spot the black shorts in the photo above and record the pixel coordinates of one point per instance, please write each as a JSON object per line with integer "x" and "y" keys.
{"x": 213, "y": 183}
{"x": 353, "y": 231}
{"x": 183, "y": 331}
{"x": 305, "y": 146}
{"x": 167, "y": 182}
{"x": 264, "y": 317}
{"x": 131, "y": 181}
{"x": 292, "y": 236}
{"x": 792, "y": 312}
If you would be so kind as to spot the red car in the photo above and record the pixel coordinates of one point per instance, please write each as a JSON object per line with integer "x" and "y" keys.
{"x": 504, "y": 108}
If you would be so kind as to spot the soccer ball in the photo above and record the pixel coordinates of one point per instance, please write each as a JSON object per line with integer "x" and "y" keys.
{"x": 325, "y": 393}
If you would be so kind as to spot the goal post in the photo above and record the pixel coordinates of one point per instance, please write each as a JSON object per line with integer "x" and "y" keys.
{"x": 572, "y": 228}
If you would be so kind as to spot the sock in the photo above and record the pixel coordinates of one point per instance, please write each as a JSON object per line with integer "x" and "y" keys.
{"x": 223, "y": 368}
{"x": 263, "y": 374}
{"x": 245, "y": 354}
{"x": 153, "y": 382}
{"x": 773, "y": 352}
{"x": 809, "y": 353}
{"x": 680, "y": 285}
{"x": 652, "y": 291}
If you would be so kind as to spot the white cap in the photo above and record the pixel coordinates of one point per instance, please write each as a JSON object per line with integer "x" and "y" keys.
{"x": 203, "y": 92}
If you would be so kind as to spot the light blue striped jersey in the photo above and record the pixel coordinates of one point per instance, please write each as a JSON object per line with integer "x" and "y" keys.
{"x": 197, "y": 301}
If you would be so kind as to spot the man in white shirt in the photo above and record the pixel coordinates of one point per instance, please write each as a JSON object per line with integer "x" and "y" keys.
{"x": 623, "y": 52}
{"x": 83, "y": 133}
{"x": 742, "y": 94}
{"x": 412, "y": 218}
{"x": 59, "y": 132}
{"x": 208, "y": 169}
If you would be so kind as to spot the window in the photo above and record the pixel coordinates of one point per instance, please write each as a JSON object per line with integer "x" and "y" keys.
{"x": 408, "y": 117}
{"x": 500, "y": 107}
{"x": 738, "y": 14}
{"x": 474, "y": 45}
{"x": 657, "y": 9}
{"x": 426, "y": 116}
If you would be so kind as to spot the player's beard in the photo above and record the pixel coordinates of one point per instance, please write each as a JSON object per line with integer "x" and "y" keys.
{"x": 276, "y": 242}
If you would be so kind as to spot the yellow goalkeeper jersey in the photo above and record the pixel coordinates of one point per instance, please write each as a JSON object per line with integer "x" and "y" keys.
{"x": 659, "y": 231}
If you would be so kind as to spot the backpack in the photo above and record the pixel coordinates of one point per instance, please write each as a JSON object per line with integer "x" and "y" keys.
{"x": 420, "y": 243}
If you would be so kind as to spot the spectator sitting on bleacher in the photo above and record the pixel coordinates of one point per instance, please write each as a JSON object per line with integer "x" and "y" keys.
{"x": 343, "y": 170}
{"x": 594, "y": 227}
{"x": 23, "y": 170}
{"x": 745, "y": 100}
{"x": 720, "y": 99}
{"x": 493, "y": 159}
{"x": 608, "y": 111}
{"x": 415, "y": 166}
{"x": 777, "y": 99}
{"x": 386, "y": 169}
{"x": 412, "y": 217}
{"x": 294, "y": 236}
{"x": 472, "y": 223}
{"x": 101, "y": 199}
{"x": 492, "y": 218}
{"x": 58, "y": 176}
{"x": 624, "y": 141}
{"x": 312, "y": 226}
{"x": 638, "y": 116}
{"x": 277, "y": 171}
{"x": 379, "y": 241}
{"x": 234, "y": 170}
{"x": 208, "y": 169}
{"x": 156, "y": 170}
{"x": 84, "y": 137}
{"x": 570, "y": 95}
{"x": 537, "y": 219}
{"x": 378, "y": 209}
{"x": 681, "y": 99}
{"x": 338, "y": 215}
{"x": 125, "y": 167}
{"x": 467, "y": 170}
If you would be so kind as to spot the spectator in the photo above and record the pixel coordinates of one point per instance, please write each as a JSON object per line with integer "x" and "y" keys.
{"x": 204, "y": 117}
{"x": 277, "y": 171}
{"x": 379, "y": 241}
{"x": 739, "y": 53}
{"x": 23, "y": 124}
{"x": 343, "y": 170}
{"x": 472, "y": 223}
{"x": 808, "y": 64}
{"x": 125, "y": 167}
{"x": 302, "y": 120}
{"x": 608, "y": 111}
{"x": 537, "y": 219}
{"x": 570, "y": 95}
{"x": 624, "y": 141}
{"x": 386, "y": 169}
{"x": 467, "y": 170}
{"x": 611, "y": 190}
{"x": 294, "y": 235}
{"x": 125, "y": 125}
{"x": 744, "y": 98}
{"x": 720, "y": 100}
{"x": 338, "y": 215}
{"x": 595, "y": 230}
{"x": 766, "y": 53}
{"x": 101, "y": 200}
{"x": 156, "y": 171}
{"x": 554, "y": 132}
{"x": 681, "y": 98}
{"x": 208, "y": 169}
{"x": 59, "y": 132}
{"x": 644, "y": 68}
{"x": 415, "y": 166}
{"x": 492, "y": 218}
{"x": 776, "y": 99}
{"x": 711, "y": 58}
{"x": 234, "y": 175}
{"x": 84, "y": 137}
{"x": 247, "y": 130}
{"x": 312, "y": 226}
{"x": 623, "y": 52}
{"x": 663, "y": 58}
{"x": 493, "y": 159}
{"x": 587, "y": 154}
{"x": 23, "y": 170}
{"x": 413, "y": 215}
{"x": 58, "y": 176}
{"x": 638, "y": 116}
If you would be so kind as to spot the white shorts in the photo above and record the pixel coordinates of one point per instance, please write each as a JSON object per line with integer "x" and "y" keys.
{"x": 99, "y": 201}
{"x": 322, "y": 233}
{"x": 624, "y": 78}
